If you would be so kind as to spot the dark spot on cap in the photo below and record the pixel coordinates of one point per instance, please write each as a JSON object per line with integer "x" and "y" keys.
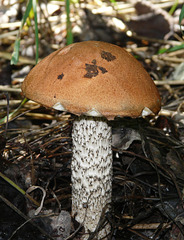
{"x": 107, "y": 56}
{"x": 54, "y": 96}
{"x": 102, "y": 69}
{"x": 92, "y": 70}
{"x": 94, "y": 61}
{"x": 60, "y": 76}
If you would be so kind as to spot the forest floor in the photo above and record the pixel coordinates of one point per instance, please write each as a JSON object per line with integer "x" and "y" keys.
{"x": 36, "y": 144}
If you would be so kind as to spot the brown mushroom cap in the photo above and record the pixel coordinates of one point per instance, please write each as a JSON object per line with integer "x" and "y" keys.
{"x": 92, "y": 78}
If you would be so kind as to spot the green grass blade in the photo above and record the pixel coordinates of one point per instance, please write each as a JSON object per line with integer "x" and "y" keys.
{"x": 14, "y": 113}
{"x": 181, "y": 17}
{"x": 18, "y": 188}
{"x": 15, "y": 54}
{"x": 176, "y": 48}
{"x": 172, "y": 49}
{"x": 173, "y": 8}
{"x": 36, "y": 29}
{"x": 114, "y": 2}
{"x": 69, "y": 38}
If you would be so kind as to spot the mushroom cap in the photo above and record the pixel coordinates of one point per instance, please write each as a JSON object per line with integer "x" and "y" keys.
{"x": 93, "y": 78}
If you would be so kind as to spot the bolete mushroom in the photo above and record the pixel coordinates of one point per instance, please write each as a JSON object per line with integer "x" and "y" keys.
{"x": 96, "y": 81}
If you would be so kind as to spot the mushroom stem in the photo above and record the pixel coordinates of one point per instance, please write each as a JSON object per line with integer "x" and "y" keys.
{"x": 91, "y": 172}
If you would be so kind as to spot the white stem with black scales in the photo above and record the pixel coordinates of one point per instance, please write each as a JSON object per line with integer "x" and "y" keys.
{"x": 91, "y": 172}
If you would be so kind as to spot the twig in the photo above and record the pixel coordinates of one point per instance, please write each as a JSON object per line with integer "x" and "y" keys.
{"x": 169, "y": 82}
{"x": 8, "y": 111}
{"x": 149, "y": 225}
{"x": 9, "y": 89}
{"x": 22, "y": 60}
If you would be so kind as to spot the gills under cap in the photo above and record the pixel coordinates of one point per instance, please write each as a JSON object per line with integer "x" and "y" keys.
{"x": 93, "y": 78}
